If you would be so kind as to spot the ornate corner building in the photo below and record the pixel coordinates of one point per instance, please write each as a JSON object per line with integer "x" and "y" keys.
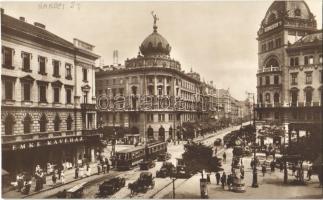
{"x": 289, "y": 78}
{"x": 155, "y": 78}
{"x": 48, "y": 97}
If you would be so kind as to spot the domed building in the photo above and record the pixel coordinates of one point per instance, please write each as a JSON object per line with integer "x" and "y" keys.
{"x": 156, "y": 79}
{"x": 289, "y": 78}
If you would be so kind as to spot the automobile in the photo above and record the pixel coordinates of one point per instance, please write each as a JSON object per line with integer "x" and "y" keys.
{"x": 76, "y": 192}
{"x": 164, "y": 156}
{"x": 111, "y": 186}
{"x": 261, "y": 157}
{"x": 147, "y": 164}
{"x": 143, "y": 183}
{"x": 167, "y": 169}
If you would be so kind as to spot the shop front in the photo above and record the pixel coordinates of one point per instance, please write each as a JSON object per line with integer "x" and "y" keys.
{"x": 25, "y": 156}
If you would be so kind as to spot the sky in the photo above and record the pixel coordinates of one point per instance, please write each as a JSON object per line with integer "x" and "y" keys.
{"x": 217, "y": 39}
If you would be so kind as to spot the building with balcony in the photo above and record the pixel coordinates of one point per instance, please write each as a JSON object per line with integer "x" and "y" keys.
{"x": 151, "y": 96}
{"x": 289, "y": 78}
{"x": 48, "y": 97}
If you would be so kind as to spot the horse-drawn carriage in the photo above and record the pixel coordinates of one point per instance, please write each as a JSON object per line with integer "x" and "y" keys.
{"x": 111, "y": 186}
{"x": 143, "y": 183}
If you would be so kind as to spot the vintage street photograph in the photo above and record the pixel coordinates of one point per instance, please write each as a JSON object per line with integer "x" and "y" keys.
{"x": 196, "y": 99}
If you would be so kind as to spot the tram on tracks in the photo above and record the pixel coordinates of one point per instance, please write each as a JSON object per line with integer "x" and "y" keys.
{"x": 128, "y": 158}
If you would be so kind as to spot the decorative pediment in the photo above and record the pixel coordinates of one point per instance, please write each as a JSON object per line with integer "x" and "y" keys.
{"x": 308, "y": 88}
{"x": 294, "y": 89}
{"x": 27, "y": 78}
{"x": 6, "y": 77}
{"x": 39, "y": 82}
{"x": 57, "y": 83}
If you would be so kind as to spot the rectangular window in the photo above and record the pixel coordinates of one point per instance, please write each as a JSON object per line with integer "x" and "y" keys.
{"x": 267, "y": 80}
{"x": 278, "y": 42}
{"x": 26, "y": 61}
{"x": 42, "y": 65}
{"x": 7, "y": 55}
{"x": 68, "y": 96}
{"x": 276, "y": 80}
{"x": 294, "y": 78}
{"x": 26, "y": 87}
{"x": 8, "y": 90}
{"x": 308, "y": 77}
{"x": 321, "y": 59}
{"x": 311, "y": 60}
{"x": 68, "y": 71}
{"x": 296, "y": 61}
{"x": 113, "y": 81}
{"x": 42, "y": 94}
{"x": 306, "y": 60}
{"x": 170, "y": 117}
{"x": 260, "y": 81}
{"x": 85, "y": 75}
{"x": 56, "y": 64}
{"x": 291, "y": 62}
{"x": 121, "y": 91}
{"x": 56, "y": 94}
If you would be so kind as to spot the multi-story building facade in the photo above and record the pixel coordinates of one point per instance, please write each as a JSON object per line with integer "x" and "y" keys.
{"x": 48, "y": 97}
{"x": 171, "y": 96}
{"x": 289, "y": 80}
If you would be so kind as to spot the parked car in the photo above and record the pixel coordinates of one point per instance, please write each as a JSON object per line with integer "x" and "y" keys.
{"x": 143, "y": 183}
{"x": 167, "y": 169}
{"x": 164, "y": 156}
{"x": 147, "y": 164}
{"x": 111, "y": 186}
{"x": 76, "y": 192}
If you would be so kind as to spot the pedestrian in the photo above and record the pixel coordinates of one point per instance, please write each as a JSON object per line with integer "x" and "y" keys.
{"x": 242, "y": 171}
{"x": 88, "y": 169}
{"x": 77, "y": 169}
{"x": 293, "y": 169}
{"x": 37, "y": 178}
{"x": 224, "y": 157}
{"x": 59, "y": 171}
{"x": 104, "y": 164}
{"x": 229, "y": 181}
{"x": 99, "y": 167}
{"x": 43, "y": 179}
{"x": 272, "y": 166}
{"x": 281, "y": 166}
{"x": 217, "y": 176}
{"x": 309, "y": 173}
{"x": 20, "y": 181}
{"x": 108, "y": 166}
{"x": 62, "y": 177}
{"x": 208, "y": 179}
{"x": 54, "y": 177}
{"x": 263, "y": 169}
{"x": 223, "y": 179}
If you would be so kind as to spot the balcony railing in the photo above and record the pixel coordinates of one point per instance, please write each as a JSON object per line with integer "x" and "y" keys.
{"x": 269, "y": 69}
{"x": 87, "y": 106}
{"x": 37, "y": 136}
{"x": 290, "y": 104}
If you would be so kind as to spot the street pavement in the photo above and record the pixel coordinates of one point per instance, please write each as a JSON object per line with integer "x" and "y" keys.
{"x": 270, "y": 186}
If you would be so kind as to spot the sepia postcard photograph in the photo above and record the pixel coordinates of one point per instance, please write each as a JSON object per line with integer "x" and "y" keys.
{"x": 156, "y": 99}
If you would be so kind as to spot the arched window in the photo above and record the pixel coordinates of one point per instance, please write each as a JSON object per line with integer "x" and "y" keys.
{"x": 27, "y": 124}
{"x": 161, "y": 133}
{"x": 272, "y": 62}
{"x": 276, "y": 98}
{"x": 69, "y": 122}
{"x": 9, "y": 124}
{"x": 294, "y": 95}
{"x": 267, "y": 96}
{"x": 150, "y": 133}
{"x": 57, "y": 122}
{"x": 308, "y": 95}
{"x": 43, "y": 123}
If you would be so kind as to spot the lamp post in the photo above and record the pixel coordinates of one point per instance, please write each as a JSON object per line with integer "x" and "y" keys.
{"x": 254, "y": 174}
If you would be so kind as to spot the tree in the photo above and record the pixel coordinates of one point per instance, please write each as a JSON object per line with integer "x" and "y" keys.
{"x": 198, "y": 157}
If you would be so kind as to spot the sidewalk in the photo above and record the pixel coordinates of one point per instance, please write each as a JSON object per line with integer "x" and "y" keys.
{"x": 270, "y": 186}
{"x": 69, "y": 177}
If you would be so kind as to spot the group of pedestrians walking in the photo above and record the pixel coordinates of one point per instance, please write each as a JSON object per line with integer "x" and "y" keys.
{"x": 103, "y": 166}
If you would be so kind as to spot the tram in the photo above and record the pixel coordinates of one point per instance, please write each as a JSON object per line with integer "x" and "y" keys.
{"x": 128, "y": 158}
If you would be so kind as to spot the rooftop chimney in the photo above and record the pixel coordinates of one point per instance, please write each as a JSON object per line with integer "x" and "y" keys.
{"x": 22, "y": 19}
{"x": 39, "y": 25}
